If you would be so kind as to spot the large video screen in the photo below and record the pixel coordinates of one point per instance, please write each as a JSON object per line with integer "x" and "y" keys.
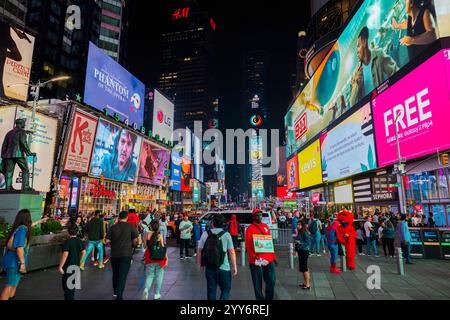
{"x": 153, "y": 163}
{"x": 15, "y": 61}
{"x": 109, "y": 85}
{"x": 292, "y": 173}
{"x": 420, "y": 103}
{"x": 116, "y": 153}
{"x": 163, "y": 117}
{"x": 349, "y": 148}
{"x": 378, "y": 41}
{"x": 175, "y": 173}
{"x": 309, "y": 166}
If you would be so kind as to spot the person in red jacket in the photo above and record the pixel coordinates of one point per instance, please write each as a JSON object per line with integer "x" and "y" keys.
{"x": 347, "y": 237}
{"x": 262, "y": 259}
{"x": 233, "y": 229}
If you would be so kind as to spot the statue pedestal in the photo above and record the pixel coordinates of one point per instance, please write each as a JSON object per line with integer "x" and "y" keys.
{"x": 12, "y": 202}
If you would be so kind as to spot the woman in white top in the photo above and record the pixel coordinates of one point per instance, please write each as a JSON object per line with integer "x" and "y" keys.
{"x": 163, "y": 227}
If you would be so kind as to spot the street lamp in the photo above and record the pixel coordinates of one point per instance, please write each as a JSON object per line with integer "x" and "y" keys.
{"x": 400, "y": 169}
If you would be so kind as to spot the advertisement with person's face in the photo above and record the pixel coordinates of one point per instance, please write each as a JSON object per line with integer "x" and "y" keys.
{"x": 292, "y": 173}
{"x": 81, "y": 143}
{"x": 349, "y": 148}
{"x": 186, "y": 174}
{"x": 110, "y": 86}
{"x": 281, "y": 175}
{"x": 382, "y": 37}
{"x": 116, "y": 153}
{"x": 154, "y": 161}
{"x": 420, "y": 109}
{"x": 16, "y": 53}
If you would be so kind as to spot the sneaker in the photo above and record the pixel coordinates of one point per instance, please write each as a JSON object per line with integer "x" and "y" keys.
{"x": 181, "y": 258}
{"x": 313, "y": 254}
{"x": 145, "y": 295}
{"x": 194, "y": 255}
{"x": 96, "y": 263}
{"x": 362, "y": 254}
{"x": 324, "y": 252}
{"x": 106, "y": 260}
{"x": 189, "y": 257}
{"x": 92, "y": 259}
{"x": 82, "y": 266}
{"x": 157, "y": 296}
{"x": 377, "y": 256}
{"x": 101, "y": 265}
{"x": 319, "y": 255}
{"x": 114, "y": 296}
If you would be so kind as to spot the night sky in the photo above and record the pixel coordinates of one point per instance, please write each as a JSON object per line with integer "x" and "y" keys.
{"x": 257, "y": 25}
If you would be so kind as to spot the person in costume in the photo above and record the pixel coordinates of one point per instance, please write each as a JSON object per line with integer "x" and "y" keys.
{"x": 347, "y": 236}
{"x": 333, "y": 244}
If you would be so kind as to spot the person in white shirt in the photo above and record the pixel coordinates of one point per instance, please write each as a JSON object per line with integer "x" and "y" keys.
{"x": 371, "y": 241}
{"x": 185, "y": 236}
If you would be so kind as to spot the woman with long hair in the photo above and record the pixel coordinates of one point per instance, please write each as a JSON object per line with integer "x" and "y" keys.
{"x": 16, "y": 252}
{"x": 154, "y": 266}
{"x": 163, "y": 227}
{"x": 301, "y": 241}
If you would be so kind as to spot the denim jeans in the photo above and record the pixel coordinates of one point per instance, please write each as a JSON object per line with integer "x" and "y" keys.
{"x": 268, "y": 274}
{"x": 315, "y": 242}
{"x": 153, "y": 271}
{"x": 219, "y": 278}
{"x": 373, "y": 244}
{"x": 184, "y": 244}
{"x": 99, "y": 245}
{"x": 406, "y": 250}
{"x": 322, "y": 242}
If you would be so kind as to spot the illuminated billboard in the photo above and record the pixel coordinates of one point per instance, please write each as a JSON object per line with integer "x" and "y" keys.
{"x": 281, "y": 174}
{"x": 375, "y": 44}
{"x": 422, "y": 112}
{"x": 349, "y": 148}
{"x": 186, "y": 174}
{"x": 292, "y": 173}
{"x": 109, "y": 85}
{"x": 309, "y": 166}
{"x": 163, "y": 113}
{"x": 256, "y": 150}
{"x": 15, "y": 61}
{"x": 175, "y": 171}
{"x": 153, "y": 163}
{"x": 116, "y": 153}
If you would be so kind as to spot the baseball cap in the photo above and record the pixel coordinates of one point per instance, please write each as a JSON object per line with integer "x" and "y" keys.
{"x": 256, "y": 211}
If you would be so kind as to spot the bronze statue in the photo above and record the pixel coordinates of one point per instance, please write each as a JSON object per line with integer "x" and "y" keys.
{"x": 15, "y": 150}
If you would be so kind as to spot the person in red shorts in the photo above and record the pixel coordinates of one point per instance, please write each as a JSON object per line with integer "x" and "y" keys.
{"x": 262, "y": 259}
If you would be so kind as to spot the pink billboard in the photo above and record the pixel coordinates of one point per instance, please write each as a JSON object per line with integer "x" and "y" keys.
{"x": 421, "y": 103}
{"x": 153, "y": 163}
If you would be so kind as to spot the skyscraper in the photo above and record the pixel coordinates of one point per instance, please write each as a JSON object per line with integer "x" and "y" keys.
{"x": 187, "y": 74}
{"x": 14, "y": 11}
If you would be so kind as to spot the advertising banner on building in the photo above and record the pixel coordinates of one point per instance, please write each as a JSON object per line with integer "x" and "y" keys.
{"x": 175, "y": 175}
{"x": 281, "y": 175}
{"x": 81, "y": 143}
{"x": 43, "y": 144}
{"x": 15, "y": 62}
{"x": 196, "y": 191}
{"x": 349, "y": 148}
{"x": 197, "y": 158}
{"x": 309, "y": 166}
{"x": 256, "y": 150}
{"x": 116, "y": 153}
{"x": 343, "y": 192}
{"x": 292, "y": 173}
{"x": 109, "y": 85}
{"x": 153, "y": 163}
{"x": 163, "y": 117}
{"x": 421, "y": 109}
{"x": 213, "y": 188}
{"x": 186, "y": 174}
{"x": 372, "y": 47}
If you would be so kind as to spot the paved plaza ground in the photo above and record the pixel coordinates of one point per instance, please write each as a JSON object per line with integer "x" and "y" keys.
{"x": 426, "y": 279}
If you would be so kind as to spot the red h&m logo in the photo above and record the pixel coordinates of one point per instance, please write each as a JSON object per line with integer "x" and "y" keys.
{"x": 301, "y": 126}
{"x": 180, "y": 13}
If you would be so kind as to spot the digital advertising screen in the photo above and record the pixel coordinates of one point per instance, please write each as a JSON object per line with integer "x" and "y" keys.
{"x": 81, "y": 142}
{"x": 163, "y": 117}
{"x": 292, "y": 173}
{"x": 197, "y": 157}
{"x": 372, "y": 47}
{"x": 43, "y": 144}
{"x": 15, "y": 61}
{"x": 349, "y": 148}
{"x": 309, "y": 166}
{"x": 153, "y": 163}
{"x": 175, "y": 171}
{"x": 281, "y": 174}
{"x": 186, "y": 174}
{"x": 116, "y": 153}
{"x": 111, "y": 86}
{"x": 418, "y": 106}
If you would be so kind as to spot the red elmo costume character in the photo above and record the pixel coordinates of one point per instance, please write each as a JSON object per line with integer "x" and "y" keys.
{"x": 347, "y": 236}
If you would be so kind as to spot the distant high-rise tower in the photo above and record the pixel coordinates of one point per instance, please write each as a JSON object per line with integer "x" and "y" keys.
{"x": 14, "y": 11}
{"x": 187, "y": 74}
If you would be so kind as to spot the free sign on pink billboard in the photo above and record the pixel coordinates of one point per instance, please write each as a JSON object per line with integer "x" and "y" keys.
{"x": 421, "y": 100}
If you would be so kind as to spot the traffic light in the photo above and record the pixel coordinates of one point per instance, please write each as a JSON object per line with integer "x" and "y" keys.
{"x": 444, "y": 159}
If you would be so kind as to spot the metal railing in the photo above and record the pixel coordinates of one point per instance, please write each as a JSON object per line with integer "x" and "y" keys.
{"x": 281, "y": 237}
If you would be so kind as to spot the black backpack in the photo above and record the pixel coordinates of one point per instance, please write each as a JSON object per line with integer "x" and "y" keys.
{"x": 212, "y": 253}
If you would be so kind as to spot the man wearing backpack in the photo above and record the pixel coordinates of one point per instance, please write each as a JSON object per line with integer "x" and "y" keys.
{"x": 214, "y": 249}
{"x": 314, "y": 228}
{"x": 262, "y": 264}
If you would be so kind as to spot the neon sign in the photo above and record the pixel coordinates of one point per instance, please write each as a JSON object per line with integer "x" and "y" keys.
{"x": 181, "y": 13}
{"x": 95, "y": 189}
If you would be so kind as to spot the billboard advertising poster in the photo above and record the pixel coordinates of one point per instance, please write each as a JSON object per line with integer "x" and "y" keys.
{"x": 116, "y": 153}
{"x": 196, "y": 191}
{"x": 109, "y": 85}
{"x": 163, "y": 113}
{"x": 15, "y": 61}
{"x": 309, "y": 166}
{"x": 43, "y": 144}
{"x": 292, "y": 173}
{"x": 349, "y": 148}
{"x": 175, "y": 172}
{"x": 373, "y": 46}
{"x": 81, "y": 143}
{"x": 422, "y": 112}
{"x": 343, "y": 192}
{"x": 153, "y": 163}
{"x": 185, "y": 174}
{"x": 197, "y": 157}
{"x": 281, "y": 175}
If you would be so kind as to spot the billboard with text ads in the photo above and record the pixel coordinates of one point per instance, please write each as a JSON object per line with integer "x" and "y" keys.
{"x": 153, "y": 163}
{"x": 420, "y": 102}
{"x": 309, "y": 166}
{"x": 111, "y": 86}
{"x": 349, "y": 148}
{"x": 81, "y": 143}
{"x": 163, "y": 117}
{"x": 116, "y": 153}
{"x": 377, "y": 41}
